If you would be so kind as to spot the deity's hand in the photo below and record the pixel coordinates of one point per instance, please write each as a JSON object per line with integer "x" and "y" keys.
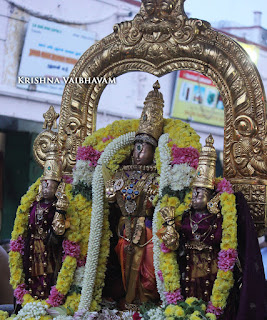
{"x": 169, "y": 236}
{"x": 110, "y": 192}
{"x": 58, "y": 224}
{"x": 62, "y": 199}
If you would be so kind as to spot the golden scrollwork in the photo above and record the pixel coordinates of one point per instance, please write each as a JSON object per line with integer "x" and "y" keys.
{"x": 46, "y": 143}
{"x": 50, "y": 117}
{"x": 161, "y": 39}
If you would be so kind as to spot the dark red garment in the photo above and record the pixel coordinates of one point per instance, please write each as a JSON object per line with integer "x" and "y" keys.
{"x": 50, "y": 245}
{"x": 198, "y": 260}
{"x": 251, "y": 297}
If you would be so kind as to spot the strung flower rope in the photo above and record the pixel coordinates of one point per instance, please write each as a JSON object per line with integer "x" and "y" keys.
{"x": 165, "y": 159}
{"x": 166, "y": 268}
{"x": 97, "y": 218}
{"x": 156, "y": 255}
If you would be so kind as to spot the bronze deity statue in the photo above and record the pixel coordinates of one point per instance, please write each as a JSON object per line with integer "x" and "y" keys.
{"x": 132, "y": 190}
{"x": 46, "y": 227}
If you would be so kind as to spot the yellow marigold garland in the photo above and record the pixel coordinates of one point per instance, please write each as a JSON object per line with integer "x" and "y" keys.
{"x": 168, "y": 261}
{"x": 225, "y": 280}
{"x": 102, "y": 262}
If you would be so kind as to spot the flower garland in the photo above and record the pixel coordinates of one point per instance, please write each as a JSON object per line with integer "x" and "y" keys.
{"x": 65, "y": 276}
{"x": 105, "y": 139}
{"x": 156, "y": 254}
{"x": 97, "y": 223}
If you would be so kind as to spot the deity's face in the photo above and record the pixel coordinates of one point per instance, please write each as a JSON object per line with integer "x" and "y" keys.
{"x": 149, "y": 6}
{"x": 143, "y": 153}
{"x": 162, "y": 7}
{"x": 49, "y": 188}
{"x": 167, "y": 6}
{"x": 200, "y": 198}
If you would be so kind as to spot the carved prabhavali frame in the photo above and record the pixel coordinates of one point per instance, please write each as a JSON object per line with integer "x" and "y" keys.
{"x": 161, "y": 39}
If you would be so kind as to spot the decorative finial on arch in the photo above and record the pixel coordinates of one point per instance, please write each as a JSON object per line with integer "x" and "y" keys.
{"x": 209, "y": 140}
{"x": 158, "y": 9}
{"x": 156, "y": 85}
{"x": 50, "y": 117}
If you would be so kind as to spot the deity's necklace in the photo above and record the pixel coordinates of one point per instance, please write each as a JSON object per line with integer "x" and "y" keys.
{"x": 194, "y": 224}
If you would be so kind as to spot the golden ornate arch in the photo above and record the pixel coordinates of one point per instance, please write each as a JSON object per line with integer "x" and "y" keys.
{"x": 161, "y": 39}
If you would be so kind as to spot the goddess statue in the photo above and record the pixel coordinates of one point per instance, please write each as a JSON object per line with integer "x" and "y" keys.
{"x": 41, "y": 244}
{"x": 214, "y": 256}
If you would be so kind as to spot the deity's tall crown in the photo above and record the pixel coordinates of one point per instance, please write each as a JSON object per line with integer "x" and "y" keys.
{"x": 53, "y": 165}
{"x": 151, "y": 121}
{"x": 206, "y": 170}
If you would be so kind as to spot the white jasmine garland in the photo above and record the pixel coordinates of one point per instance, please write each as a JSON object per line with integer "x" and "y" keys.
{"x": 32, "y": 310}
{"x": 83, "y": 172}
{"x": 156, "y": 254}
{"x": 155, "y": 314}
{"x": 127, "y": 315}
{"x": 180, "y": 176}
{"x": 97, "y": 218}
{"x": 78, "y": 276}
{"x": 104, "y": 314}
{"x": 165, "y": 159}
{"x": 94, "y": 238}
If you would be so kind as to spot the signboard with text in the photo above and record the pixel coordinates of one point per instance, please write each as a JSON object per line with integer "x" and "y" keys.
{"x": 49, "y": 53}
{"x": 197, "y": 99}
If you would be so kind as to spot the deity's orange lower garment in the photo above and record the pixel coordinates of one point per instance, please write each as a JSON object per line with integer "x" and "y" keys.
{"x": 137, "y": 268}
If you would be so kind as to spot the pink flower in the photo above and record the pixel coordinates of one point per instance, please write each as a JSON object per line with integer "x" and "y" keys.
{"x": 81, "y": 262}
{"x": 107, "y": 138}
{"x": 88, "y": 154}
{"x": 188, "y": 155}
{"x": 71, "y": 248}
{"x": 19, "y": 292}
{"x": 224, "y": 186}
{"x": 136, "y": 316}
{"x": 160, "y": 275}
{"x": 227, "y": 259}
{"x": 17, "y": 245}
{"x": 215, "y": 310}
{"x": 55, "y": 298}
{"x": 164, "y": 249}
{"x": 67, "y": 179}
{"x": 173, "y": 297}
